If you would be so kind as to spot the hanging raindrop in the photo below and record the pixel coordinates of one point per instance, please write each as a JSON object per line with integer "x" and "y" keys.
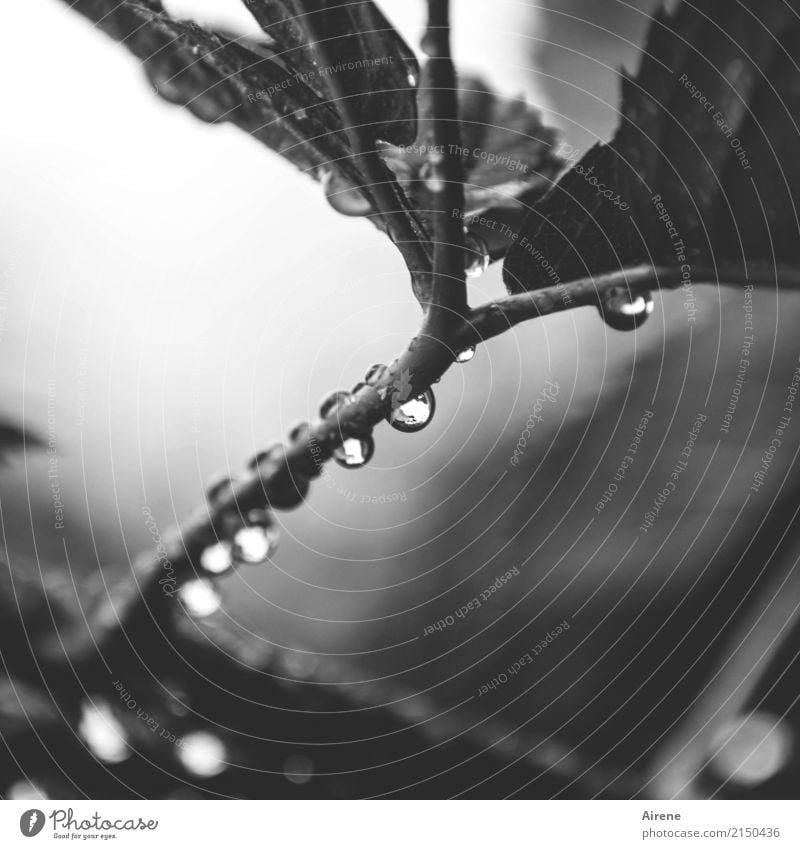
{"x": 330, "y": 402}
{"x": 466, "y": 355}
{"x": 103, "y": 732}
{"x": 415, "y": 414}
{"x": 344, "y": 197}
{"x": 203, "y": 754}
{"x": 374, "y": 373}
{"x": 24, "y": 790}
{"x": 254, "y": 544}
{"x": 298, "y": 769}
{"x": 200, "y": 598}
{"x": 354, "y": 453}
{"x": 623, "y": 311}
{"x": 430, "y": 174}
{"x": 476, "y": 253}
{"x": 216, "y": 559}
{"x": 297, "y": 431}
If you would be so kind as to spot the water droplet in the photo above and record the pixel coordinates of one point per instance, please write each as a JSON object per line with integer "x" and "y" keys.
{"x": 466, "y": 355}
{"x": 216, "y": 559}
{"x": 622, "y": 311}
{"x": 429, "y": 174}
{"x": 412, "y": 80}
{"x": 103, "y": 732}
{"x": 354, "y": 453}
{"x": 254, "y": 544}
{"x": 24, "y": 790}
{"x": 752, "y": 749}
{"x": 199, "y": 597}
{"x": 219, "y": 486}
{"x": 477, "y": 255}
{"x": 195, "y": 50}
{"x": 203, "y": 754}
{"x": 345, "y": 198}
{"x": 375, "y": 373}
{"x": 298, "y": 769}
{"x": 414, "y": 414}
{"x": 330, "y": 402}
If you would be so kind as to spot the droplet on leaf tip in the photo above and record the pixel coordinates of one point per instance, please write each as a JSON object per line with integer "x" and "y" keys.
{"x": 343, "y": 197}
{"x": 477, "y": 255}
{"x": 414, "y": 415}
{"x": 354, "y": 453}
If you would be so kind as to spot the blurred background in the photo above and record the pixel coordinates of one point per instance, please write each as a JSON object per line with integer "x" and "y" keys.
{"x": 174, "y": 297}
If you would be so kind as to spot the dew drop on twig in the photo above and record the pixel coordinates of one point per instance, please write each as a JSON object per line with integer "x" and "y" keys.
{"x": 330, "y": 402}
{"x": 345, "y": 198}
{"x": 298, "y": 769}
{"x": 103, "y": 732}
{"x": 203, "y": 754}
{"x": 199, "y": 597}
{"x": 216, "y": 559}
{"x": 254, "y": 544}
{"x": 415, "y": 414}
{"x": 354, "y": 453}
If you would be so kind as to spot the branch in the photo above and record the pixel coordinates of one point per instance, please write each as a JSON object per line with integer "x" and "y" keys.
{"x": 448, "y": 286}
{"x": 496, "y": 317}
{"x": 282, "y": 476}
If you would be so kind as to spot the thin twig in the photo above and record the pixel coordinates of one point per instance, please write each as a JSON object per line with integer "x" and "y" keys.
{"x": 496, "y": 317}
{"x": 448, "y": 286}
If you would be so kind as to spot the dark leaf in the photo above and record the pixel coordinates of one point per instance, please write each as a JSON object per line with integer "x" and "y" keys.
{"x": 220, "y": 79}
{"x": 706, "y": 140}
{"x": 377, "y": 69}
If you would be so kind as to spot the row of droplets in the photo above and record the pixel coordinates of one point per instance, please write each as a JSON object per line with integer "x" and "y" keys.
{"x": 253, "y": 541}
{"x": 248, "y": 540}
{"x": 410, "y": 416}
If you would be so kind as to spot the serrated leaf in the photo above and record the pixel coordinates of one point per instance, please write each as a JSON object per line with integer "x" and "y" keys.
{"x": 706, "y": 138}
{"x": 506, "y": 150}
